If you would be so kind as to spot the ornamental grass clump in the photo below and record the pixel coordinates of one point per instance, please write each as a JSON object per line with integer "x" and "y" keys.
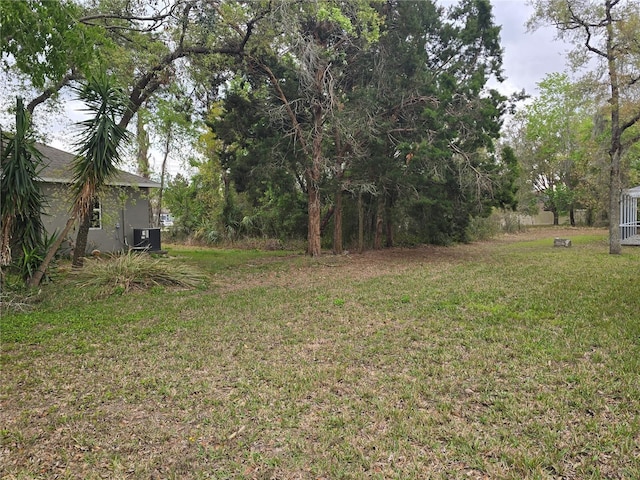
{"x": 130, "y": 271}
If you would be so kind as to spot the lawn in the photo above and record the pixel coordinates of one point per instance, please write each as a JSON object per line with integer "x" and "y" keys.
{"x": 508, "y": 359}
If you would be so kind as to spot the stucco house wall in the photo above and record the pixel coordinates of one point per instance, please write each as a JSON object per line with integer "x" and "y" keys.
{"x": 123, "y": 203}
{"x": 122, "y": 209}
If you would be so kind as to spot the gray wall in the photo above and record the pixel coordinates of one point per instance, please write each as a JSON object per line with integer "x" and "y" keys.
{"x": 123, "y": 209}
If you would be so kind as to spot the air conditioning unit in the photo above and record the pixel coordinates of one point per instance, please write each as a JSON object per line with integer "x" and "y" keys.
{"x": 146, "y": 239}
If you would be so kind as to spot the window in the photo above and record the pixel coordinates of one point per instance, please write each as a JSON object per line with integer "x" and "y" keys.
{"x": 96, "y": 216}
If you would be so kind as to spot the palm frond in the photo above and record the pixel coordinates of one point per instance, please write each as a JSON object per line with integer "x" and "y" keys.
{"x": 100, "y": 142}
{"x": 21, "y": 199}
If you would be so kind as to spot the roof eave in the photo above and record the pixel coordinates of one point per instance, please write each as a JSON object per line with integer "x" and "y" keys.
{"x": 149, "y": 184}
{"x": 633, "y": 192}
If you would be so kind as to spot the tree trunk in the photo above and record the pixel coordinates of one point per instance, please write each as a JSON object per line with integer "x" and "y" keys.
{"x": 313, "y": 232}
{"x": 389, "y": 223}
{"x": 337, "y": 223}
{"x": 615, "y": 152}
{"x": 572, "y": 216}
{"x": 163, "y": 173}
{"x": 360, "y": 224}
{"x": 556, "y": 217}
{"x": 143, "y": 167}
{"x": 5, "y": 243}
{"x": 142, "y": 137}
{"x": 37, "y": 277}
{"x": 589, "y": 215}
{"x": 312, "y": 176}
{"x": 339, "y": 173}
{"x": 389, "y": 232}
{"x": 377, "y": 242}
{"x": 615, "y": 188}
{"x": 81, "y": 240}
{"x": 325, "y": 219}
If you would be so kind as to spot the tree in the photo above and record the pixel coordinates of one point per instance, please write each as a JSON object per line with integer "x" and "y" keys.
{"x": 432, "y": 118}
{"x": 395, "y": 121}
{"x": 257, "y": 161}
{"x": 607, "y": 32}
{"x": 44, "y": 42}
{"x": 173, "y": 125}
{"x": 143, "y": 42}
{"x": 315, "y": 38}
{"x": 21, "y": 200}
{"x": 98, "y": 154}
{"x": 142, "y": 145}
{"x": 98, "y": 150}
{"x": 196, "y": 202}
{"x": 551, "y": 142}
{"x": 509, "y": 172}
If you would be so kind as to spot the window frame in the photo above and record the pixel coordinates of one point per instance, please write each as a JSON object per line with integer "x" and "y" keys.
{"x": 96, "y": 213}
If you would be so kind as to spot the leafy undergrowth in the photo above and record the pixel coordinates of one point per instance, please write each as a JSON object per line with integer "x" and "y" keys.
{"x": 501, "y": 360}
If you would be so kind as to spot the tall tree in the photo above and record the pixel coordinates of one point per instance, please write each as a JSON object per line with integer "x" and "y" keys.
{"x": 509, "y": 172}
{"x": 606, "y": 31}
{"x": 143, "y": 42}
{"x": 173, "y": 128}
{"x": 316, "y": 35}
{"x": 432, "y": 115}
{"x": 550, "y": 143}
{"x": 143, "y": 166}
{"x": 258, "y": 162}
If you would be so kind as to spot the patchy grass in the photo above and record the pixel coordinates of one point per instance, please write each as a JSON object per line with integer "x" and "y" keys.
{"x": 218, "y": 260}
{"x": 508, "y": 360}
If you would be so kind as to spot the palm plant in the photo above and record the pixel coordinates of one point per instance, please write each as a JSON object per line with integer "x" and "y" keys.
{"x": 98, "y": 150}
{"x": 21, "y": 200}
{"x": 98, "y": 155}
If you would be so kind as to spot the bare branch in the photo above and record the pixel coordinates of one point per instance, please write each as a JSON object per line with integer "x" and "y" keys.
{"x": 130, "y": 18}
{"x": 631, "y": 122}
{"x": 285, "y": 102}
{"x": 246, "y": 34}
{"x": 51, "y": 91}
{"x": 150, "y": 82}
{"x": 581, "y": 23}
{"x": 155, "y": 20}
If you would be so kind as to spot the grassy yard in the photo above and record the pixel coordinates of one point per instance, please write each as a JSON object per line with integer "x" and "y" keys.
{"x": 508, "y": 359}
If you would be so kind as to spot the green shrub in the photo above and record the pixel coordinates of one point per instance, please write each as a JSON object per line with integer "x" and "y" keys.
{"x": 481, "y": 228}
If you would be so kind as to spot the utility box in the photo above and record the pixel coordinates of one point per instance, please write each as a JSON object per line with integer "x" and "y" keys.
{"x": 146, "y": 239}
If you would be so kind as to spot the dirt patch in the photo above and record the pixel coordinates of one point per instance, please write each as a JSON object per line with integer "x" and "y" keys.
{"x": 374, "y": 263}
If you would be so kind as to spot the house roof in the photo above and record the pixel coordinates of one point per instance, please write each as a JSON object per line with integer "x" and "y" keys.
{"x": 58, "y": 169}
{"x": 633, "y": 192}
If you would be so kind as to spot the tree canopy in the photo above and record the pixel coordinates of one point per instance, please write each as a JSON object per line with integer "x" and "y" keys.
{"x": 605, "y": 31}
{"x": 555, "y": 143}
{"x": 403, "y": 117}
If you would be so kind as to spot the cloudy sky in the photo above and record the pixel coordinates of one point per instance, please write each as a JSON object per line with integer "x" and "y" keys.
{"x": 528, "y": 56}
